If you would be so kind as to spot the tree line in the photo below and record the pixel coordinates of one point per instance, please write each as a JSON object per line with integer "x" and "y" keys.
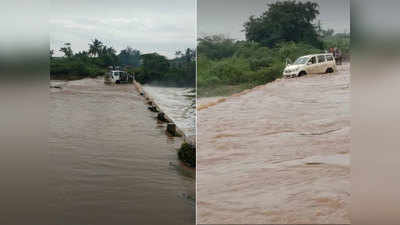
{"x": 147, "y": 68}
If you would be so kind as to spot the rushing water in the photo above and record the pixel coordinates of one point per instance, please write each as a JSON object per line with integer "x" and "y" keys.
{"x": 113, "y": 163}
{"x": 178, "y": 103}
{"x": 278, "y": 154}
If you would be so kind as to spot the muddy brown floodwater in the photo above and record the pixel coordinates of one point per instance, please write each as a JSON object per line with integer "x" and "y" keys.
{"x": 279, "y": 153}
{"x": 112, "y": 163}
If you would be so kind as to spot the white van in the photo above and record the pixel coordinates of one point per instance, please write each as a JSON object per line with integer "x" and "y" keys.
{"x": 118, "y": 76}
{"x": 309, "y": 64}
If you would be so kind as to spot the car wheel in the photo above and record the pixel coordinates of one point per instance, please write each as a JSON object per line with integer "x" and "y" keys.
{"x": 302, "y": 73}
{"x": 329, "y": 70}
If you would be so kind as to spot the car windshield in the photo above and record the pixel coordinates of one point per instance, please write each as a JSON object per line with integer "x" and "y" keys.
{"x": 301, "y": 60}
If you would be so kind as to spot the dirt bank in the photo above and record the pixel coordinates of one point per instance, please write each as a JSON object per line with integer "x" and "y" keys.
{"x": 276, "y": 154}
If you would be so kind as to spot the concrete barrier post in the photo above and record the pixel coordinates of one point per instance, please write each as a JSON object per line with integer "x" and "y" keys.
{"x": 161, "y": 117}
{"x": 171, "y": 128}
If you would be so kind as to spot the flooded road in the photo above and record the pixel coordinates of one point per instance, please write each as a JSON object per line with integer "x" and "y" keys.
{"x": 113, "y": 164}
{"x": 178, "y": 103}
{"x": 279, "y": 153}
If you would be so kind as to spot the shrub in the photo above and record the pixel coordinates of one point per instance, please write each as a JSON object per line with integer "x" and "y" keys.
{"x": 187, "y": 154}
{"x": 230, "y": 70}
{"x": 293, "y": 51}
{"x": 251, "y": 64}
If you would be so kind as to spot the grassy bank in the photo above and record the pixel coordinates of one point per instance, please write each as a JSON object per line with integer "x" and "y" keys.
{"x": 222, "y": 90}
{"x": 242, "y": 65}
{"x": 226, "y": 66}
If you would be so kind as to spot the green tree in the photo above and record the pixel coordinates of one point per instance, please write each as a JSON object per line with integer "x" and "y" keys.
{"x": 67, "y": 50}
{"x": 285, "y": 21}
{"x": 107, "y": 56}
{"x": 155, "y": 66}
{"x": 130, "y": 57}
{"x": 326, "y": 33}
{"x": 190, "y": 55}
{"x": 216, "y": 46}
{"x": 95, "y": 48}
{"x": 178, "y": 54}
{"x": 82, "y": 55}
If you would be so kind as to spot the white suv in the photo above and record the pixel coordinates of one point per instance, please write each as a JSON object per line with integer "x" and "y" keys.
{"x": 308, "y": 64}
{"x": 118, "y": 76}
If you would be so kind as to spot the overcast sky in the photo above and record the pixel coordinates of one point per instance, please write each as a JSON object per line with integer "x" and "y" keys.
{"x": 162, "y": 26}
{"x": 228, "y": 16}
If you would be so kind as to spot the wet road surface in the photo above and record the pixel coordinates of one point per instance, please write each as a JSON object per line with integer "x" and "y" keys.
{"x": 113, "y": 163}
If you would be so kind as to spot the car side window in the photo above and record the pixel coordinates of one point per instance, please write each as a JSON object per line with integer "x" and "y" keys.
{"x": 321, "y": 58}
{"x": 313, "y": 60}
{"x": 329, "y": 58}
